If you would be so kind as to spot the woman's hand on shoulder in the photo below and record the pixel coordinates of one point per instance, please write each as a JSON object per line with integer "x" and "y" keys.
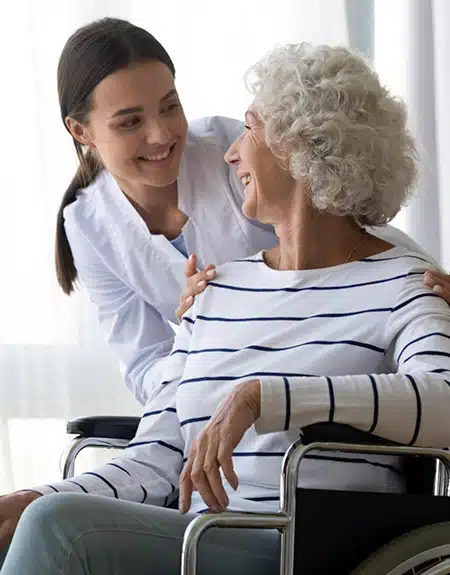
{"x": 438, "y": 282}
{"x": 11, "y": 508}
{"x": 196, "y": 282}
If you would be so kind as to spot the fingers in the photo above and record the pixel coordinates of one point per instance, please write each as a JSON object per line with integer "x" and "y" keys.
{"x": 204, "y": 275}
{"x": 190, "y": 266}
{"x": 186, "y": 485}
{"x": 183, "y": 307}
{"x": 443, "y": 291}
{"x": 225, "y": 458}
{"x": 201, "y": 481}
{"x": 197, "y": 281}
{"x": 211, "y": 469}
{"x": 213, "y": 450}
{"x": 202, "y": 474}
{"x": 440, "y": 283}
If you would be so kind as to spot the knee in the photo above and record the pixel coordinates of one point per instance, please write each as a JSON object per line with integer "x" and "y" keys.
{"x": 50, "y": 511}
{"x": 43, "y": 539}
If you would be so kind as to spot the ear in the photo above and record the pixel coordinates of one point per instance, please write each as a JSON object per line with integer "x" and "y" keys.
{"x": 79, "y": 132}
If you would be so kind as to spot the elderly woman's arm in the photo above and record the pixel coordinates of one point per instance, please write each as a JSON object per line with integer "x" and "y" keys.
{"x": 147, "y": 471}
{"x": 409, "y": 405}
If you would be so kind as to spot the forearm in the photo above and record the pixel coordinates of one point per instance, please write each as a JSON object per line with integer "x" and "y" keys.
{"x": 410, "y": 409}
{"x": 148, "y": 469}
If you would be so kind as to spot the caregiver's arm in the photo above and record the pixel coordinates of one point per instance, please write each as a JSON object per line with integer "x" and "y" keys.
{"x": 409, "y": 405}
{"x": 139, "y": 336}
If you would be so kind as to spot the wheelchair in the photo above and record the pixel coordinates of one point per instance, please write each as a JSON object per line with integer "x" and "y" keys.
{"x": 327, "y": 531}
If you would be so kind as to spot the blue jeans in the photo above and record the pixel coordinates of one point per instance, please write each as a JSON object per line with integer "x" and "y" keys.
{"x": 75, "y": 534}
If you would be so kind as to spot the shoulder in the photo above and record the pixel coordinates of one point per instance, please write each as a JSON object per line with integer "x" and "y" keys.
{"x": 243, "y": 266}
{"x": 95, "y": 219}
{"x": 404, "y": 265}
{"x": 215, "y": 130}
{"x": 241, "y": 274}
{"x": 413, "y": 298}
{"x": 232, "y": 281}
{"x": 83, "y": 212}
{"x": 398, "y": 238}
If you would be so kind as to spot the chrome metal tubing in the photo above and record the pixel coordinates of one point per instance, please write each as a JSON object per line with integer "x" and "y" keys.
{"x": 202, "y": 523}
{"x": 289, "y": 481}
{"x": 80, "y": 443}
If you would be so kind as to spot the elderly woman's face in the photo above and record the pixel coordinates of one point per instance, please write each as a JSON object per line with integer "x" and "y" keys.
{"x": 266, "y": 183}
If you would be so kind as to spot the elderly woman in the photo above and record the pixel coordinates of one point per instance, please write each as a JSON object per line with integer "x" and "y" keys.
{"x": 324, "y": 156}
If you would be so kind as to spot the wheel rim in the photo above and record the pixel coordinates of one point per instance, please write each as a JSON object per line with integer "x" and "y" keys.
{"x": 422, "y": 561}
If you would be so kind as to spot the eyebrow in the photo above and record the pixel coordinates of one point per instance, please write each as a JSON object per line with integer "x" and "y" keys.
{"x": 138, "y": 109}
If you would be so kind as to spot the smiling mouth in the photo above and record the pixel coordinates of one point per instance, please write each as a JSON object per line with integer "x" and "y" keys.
{"x": 157, "y": 157}
{"x": 246, "y": 179}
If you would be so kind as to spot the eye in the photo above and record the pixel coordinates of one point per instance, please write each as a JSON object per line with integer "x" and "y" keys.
{"x": 131, "y": 123}
{"x": 171, "y": 108}
{"x": 247, "y": 127}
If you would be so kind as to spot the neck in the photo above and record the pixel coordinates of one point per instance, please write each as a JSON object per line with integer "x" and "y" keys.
{"x": 158, "y": 207}
{"x": 149, "y": 199}
{"x": 313, "y": 241}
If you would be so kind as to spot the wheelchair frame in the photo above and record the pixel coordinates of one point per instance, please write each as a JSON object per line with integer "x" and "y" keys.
{"x": 284, "y": 519}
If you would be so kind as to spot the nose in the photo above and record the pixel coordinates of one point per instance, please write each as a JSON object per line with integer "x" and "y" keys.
{"x": 158, "y": 132}
{"x": 232, "y": 154}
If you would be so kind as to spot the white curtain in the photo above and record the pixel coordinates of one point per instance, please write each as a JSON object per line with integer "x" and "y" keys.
{"x": 412, "y": 54}
{"x": 53, "y": 362}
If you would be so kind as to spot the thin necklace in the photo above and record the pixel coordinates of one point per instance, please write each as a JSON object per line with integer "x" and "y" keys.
{"x": 349, "y": 256}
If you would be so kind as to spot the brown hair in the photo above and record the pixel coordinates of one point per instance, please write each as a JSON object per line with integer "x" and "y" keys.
{"x": 90, "y": 55}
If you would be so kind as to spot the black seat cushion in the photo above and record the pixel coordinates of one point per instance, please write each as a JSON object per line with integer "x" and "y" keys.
{"x": 114, "y": 427}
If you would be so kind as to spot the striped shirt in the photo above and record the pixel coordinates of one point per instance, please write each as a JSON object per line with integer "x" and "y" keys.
{"x": 363, "y": 343}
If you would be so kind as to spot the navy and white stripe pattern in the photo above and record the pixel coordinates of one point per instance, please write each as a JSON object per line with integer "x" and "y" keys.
{"x": 364, "y": 344}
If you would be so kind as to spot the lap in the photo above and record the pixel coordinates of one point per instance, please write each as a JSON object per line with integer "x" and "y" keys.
{"x": 91, "y": 534}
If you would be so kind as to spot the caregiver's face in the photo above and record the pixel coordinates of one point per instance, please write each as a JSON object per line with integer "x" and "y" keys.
{"x": 137, "y": 125}
{"x": 266, "y": 182}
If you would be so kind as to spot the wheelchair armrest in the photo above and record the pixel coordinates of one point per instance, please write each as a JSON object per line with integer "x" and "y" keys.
{"x": 418, "y": 470}
{"x": 340, "y": 433}
{"x": 113, "y": 427}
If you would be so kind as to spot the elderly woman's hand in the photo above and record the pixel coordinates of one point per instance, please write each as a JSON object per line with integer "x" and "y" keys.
{"x": 12, "y": 506}
{"x": 196, "y": 283}
{"x": 214, "y": 447}
{"x": 439, "y": 282}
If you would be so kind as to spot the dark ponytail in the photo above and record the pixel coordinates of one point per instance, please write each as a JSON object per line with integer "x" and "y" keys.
{"x": 89, "y": 56}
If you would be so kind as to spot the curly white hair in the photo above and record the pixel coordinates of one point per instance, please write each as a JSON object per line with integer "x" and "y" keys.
{"x": 327, "y": 114}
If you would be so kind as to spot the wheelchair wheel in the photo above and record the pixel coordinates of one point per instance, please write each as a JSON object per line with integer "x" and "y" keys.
{"x": 411, "y": 554}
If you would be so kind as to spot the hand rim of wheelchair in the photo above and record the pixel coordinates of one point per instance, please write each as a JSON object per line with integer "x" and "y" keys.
{"x": 410, "y": 551}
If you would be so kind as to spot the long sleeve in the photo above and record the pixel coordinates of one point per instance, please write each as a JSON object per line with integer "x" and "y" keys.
{"x": 411, "y": 404}
{"x": 139, "y": 336}
{"x": 149, "y": 468}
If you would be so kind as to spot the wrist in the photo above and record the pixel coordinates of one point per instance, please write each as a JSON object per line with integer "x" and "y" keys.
{"x": 253, "y": 393}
